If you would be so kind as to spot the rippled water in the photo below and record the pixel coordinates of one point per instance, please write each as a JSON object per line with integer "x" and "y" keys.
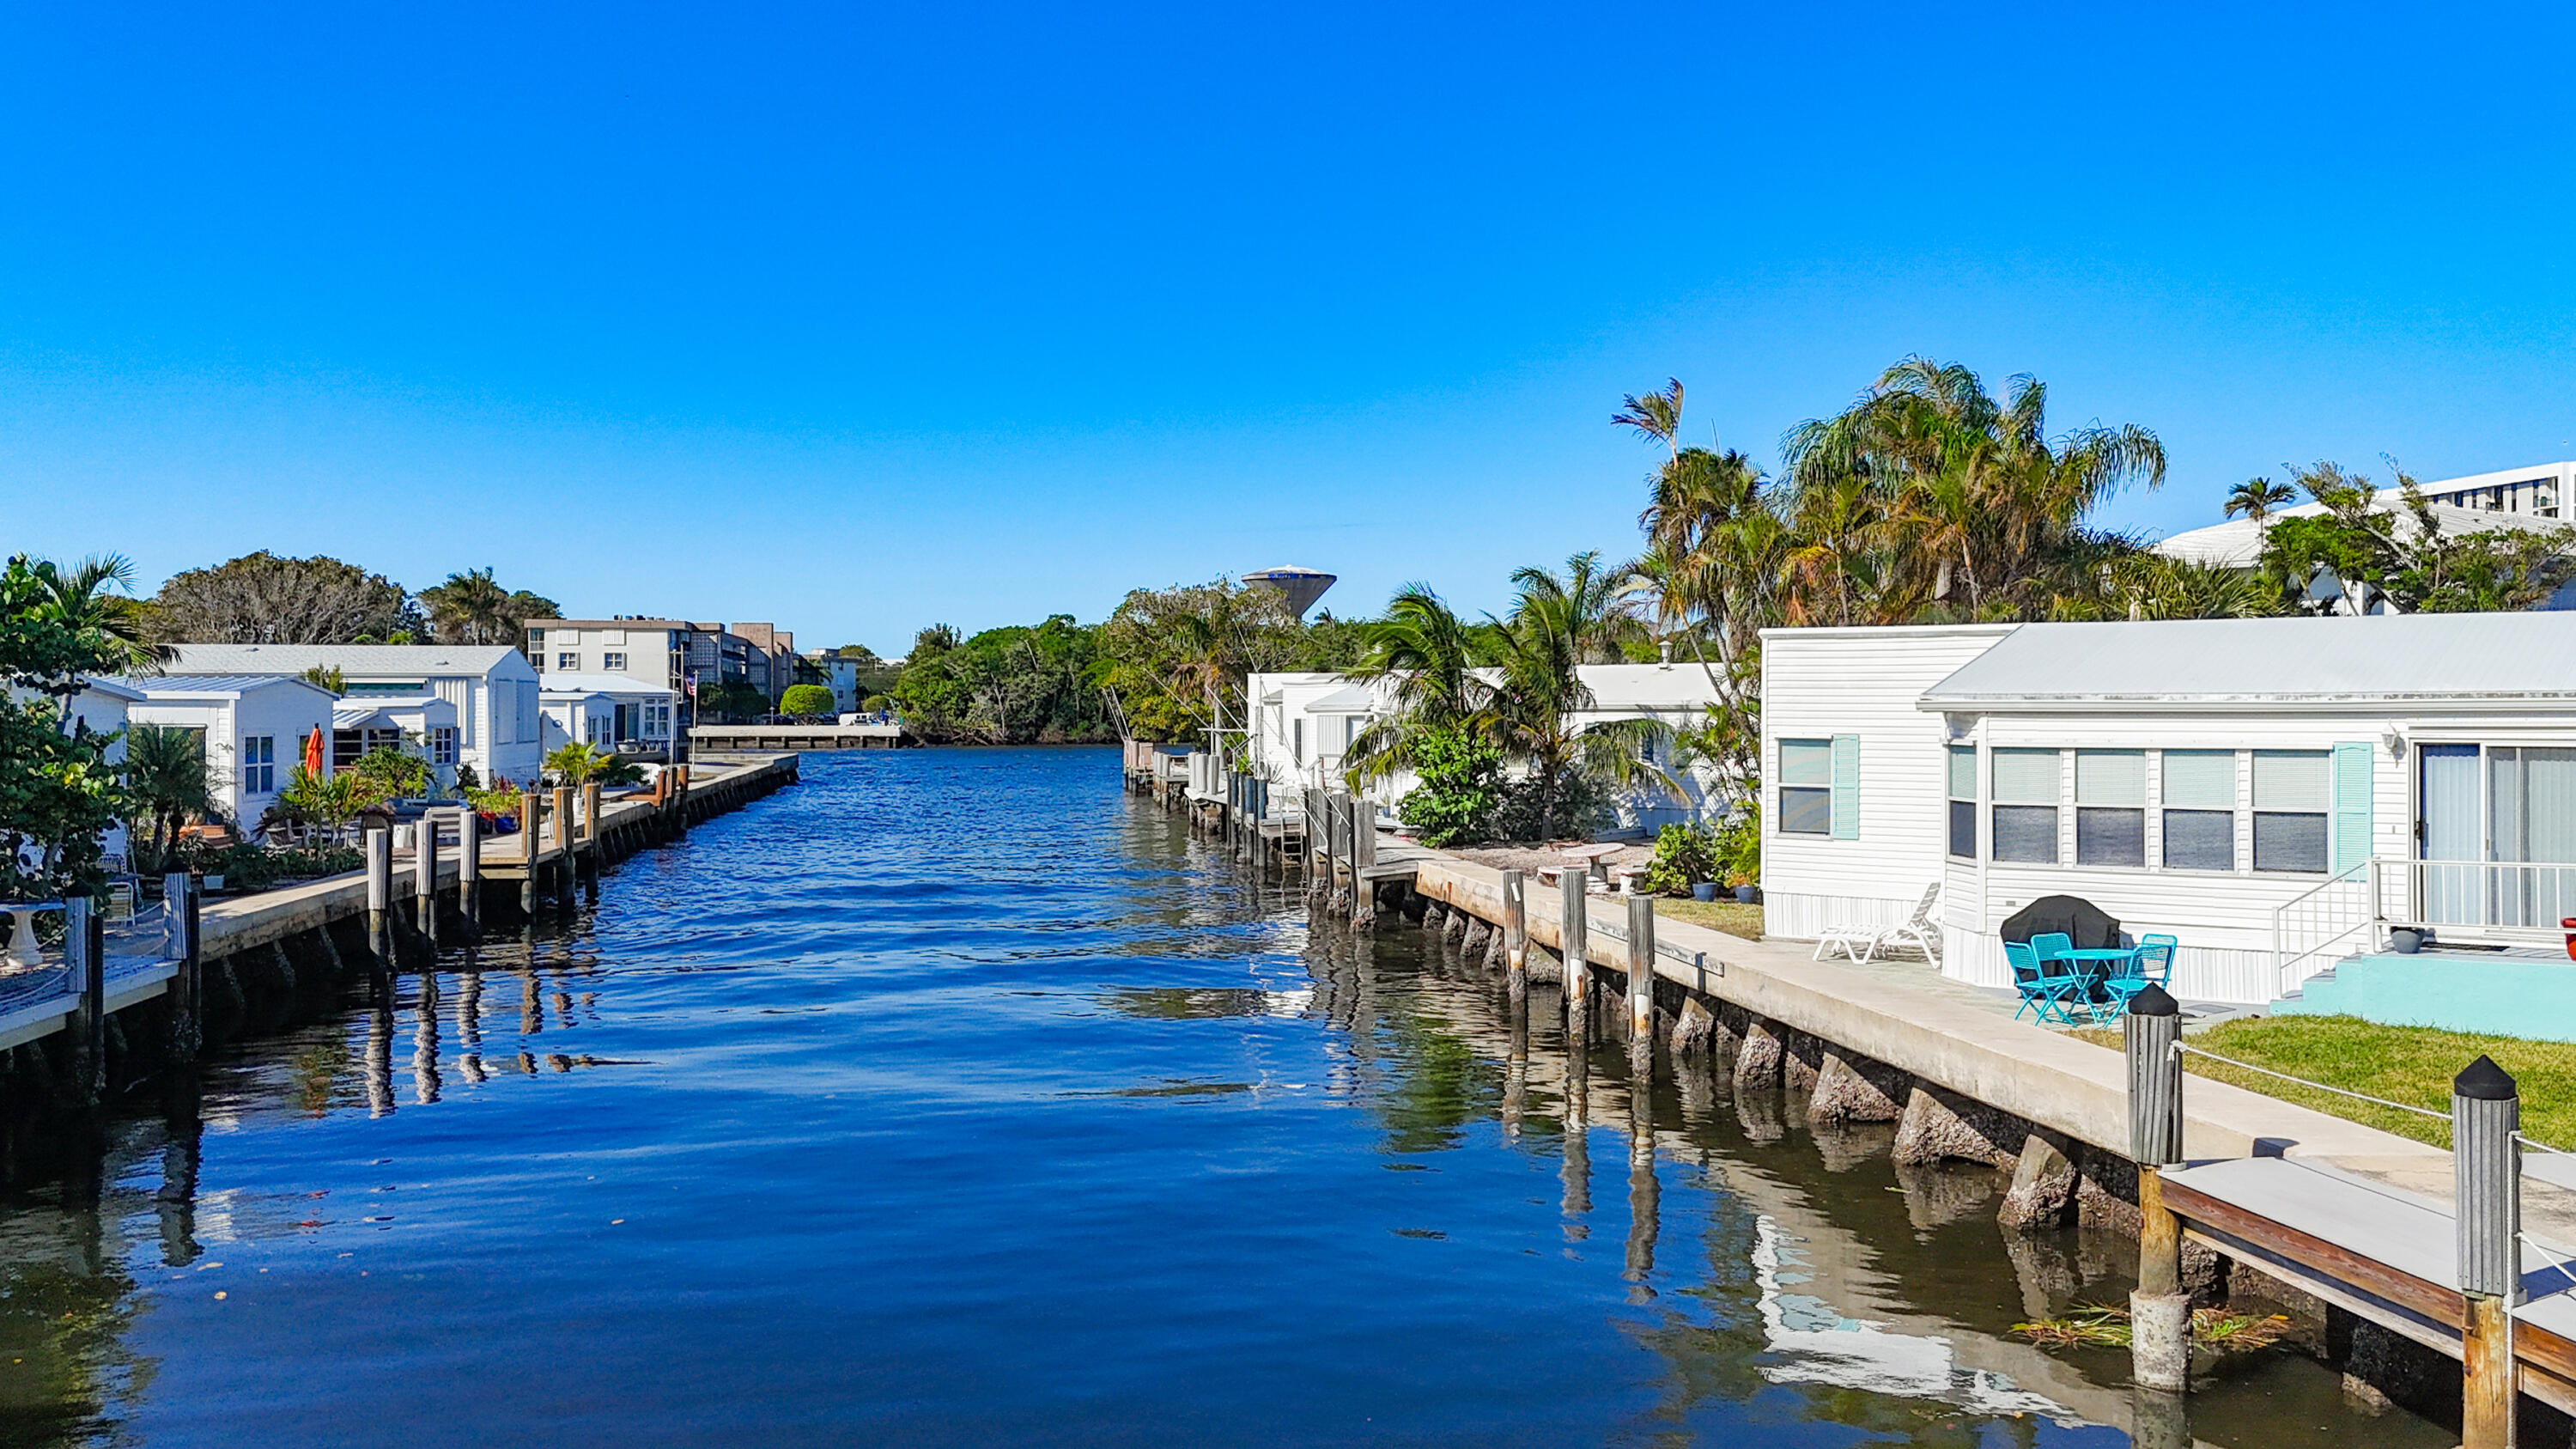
{"x": 954, "y": 1098}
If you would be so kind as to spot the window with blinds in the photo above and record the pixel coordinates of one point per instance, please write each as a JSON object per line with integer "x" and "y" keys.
{"x": 2293, "y": 793}
{"x": 1806, "y": 787}
{"x": 2199, "y": 800}
{"x": 2111, "y": 807}
{"x": 1963, "y": 801}
{"x": 2027, "y": 785}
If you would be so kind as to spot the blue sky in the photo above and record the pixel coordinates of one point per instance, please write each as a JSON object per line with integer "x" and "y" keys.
{"x": 857, "y": 318}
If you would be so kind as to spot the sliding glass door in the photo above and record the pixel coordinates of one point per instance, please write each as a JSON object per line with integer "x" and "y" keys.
{"x": 2497, "y": 835}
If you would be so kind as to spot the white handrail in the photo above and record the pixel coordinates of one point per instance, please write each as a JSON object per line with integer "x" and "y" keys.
{"x": 2323, "y": 920}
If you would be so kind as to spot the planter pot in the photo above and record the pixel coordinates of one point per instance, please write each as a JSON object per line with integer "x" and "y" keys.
{"x": 2568, "y": 924}
{"x": 1748, "y": 894}
{"x": 2406, "y": 940}
{"x": 1705, "y": 890}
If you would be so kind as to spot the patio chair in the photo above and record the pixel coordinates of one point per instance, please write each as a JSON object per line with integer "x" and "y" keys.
{"x": 1863, "y": 943}
{"x": 2043, "y": 992}
{"x": 2151, "y": 966}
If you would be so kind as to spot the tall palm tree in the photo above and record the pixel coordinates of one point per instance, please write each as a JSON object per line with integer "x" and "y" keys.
{"x": 1558, "y": 624}
{"x": 1429, "y": 656}
{"x": 2257, "y": 497}
{"x": 471, "y": 608}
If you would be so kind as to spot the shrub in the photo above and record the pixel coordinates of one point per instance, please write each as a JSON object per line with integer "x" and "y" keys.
{"x": 1684, "y": 856}
{"x": 805, "y": 699}
{"x": 1458, "y": 793}
{"x": 1739, "y": 846}
{"x": 1583, "y": 809}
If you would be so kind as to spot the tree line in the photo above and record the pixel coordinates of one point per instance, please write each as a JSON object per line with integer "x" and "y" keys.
{"x": 263, "y": 598}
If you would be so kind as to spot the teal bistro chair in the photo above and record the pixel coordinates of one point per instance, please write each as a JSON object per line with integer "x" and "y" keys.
{"x": 2152, "y": 965}
{"x": 2045, "y": 990}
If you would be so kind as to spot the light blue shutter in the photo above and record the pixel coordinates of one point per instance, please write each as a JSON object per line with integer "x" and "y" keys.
{"x": 1846, "y": 787}
{"x": 2352, "y": 766}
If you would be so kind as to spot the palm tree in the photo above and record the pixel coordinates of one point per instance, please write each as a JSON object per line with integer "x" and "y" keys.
{"x": 1429, "y": 655}
{"x": 1558, "y": 624}
{"x": 330, "y": 800}
{"x": 85, "y": 597}
{"x": 167, "y": 781}
{"x": 2257, "y": 497}
{"x": 471, "y": 608}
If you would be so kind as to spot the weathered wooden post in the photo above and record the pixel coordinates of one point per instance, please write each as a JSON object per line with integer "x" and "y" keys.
{"x": 590, "y": 806}
{"x": 424, "y": 874}
{"x": 1574, "y": 933}
{"x": 379, "y": 842}
{"x": 180, "y": 902}
{"x": 560, "y": 882}
{"x": 1516, "y": 940}
{"x": 1641, "y": 992}
{"x": 2486, "y": 1167}
{"x": 2159, "y": 1311}
{"x": 85, "y": 962}
{"x": 469, "y": 865}
{"x": 1363, "y": 837}
{"x": 531, "y": 846}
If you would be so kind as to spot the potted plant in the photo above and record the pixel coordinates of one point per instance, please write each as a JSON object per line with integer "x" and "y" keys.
{"x": 1703, "y": 890}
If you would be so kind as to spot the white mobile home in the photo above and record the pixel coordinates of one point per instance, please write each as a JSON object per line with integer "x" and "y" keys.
{"x": 2276, "y": 793}
{"x": 605, "y": 710}
{"x": 255, "y": 727}
{"x": 492, "y": 686}
{"x": 423, "y": 724}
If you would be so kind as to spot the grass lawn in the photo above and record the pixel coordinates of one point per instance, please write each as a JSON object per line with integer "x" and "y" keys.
{"x": 2411, "y": 1064}
{"x": 1733, "y": 917}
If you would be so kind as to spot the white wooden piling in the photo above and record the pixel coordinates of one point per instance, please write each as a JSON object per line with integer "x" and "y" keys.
{"x": 424, "y": 873}
{"x": 1574, "y": 932}
{"x": 379, "y": 845}
{"x": 469, "y": 864}
{"x": 85, "y": 957}
{"x": 1516, "y": 940}
{"x": 1641, "y": 991}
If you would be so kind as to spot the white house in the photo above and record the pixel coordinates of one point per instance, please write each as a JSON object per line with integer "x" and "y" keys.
{"x": 1302, "y": 725}
{"x": 100, "y": 708}
{"x": 255, "y": 727}
{"x": 2275, "y": 793}
{"x": 605, "y": 710}
{"x": 492, "y": 686}
{"x": 423, "y": 723}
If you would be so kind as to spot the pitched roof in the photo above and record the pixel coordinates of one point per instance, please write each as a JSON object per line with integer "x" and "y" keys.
{"x": 181, "y": 686}
{"x": 2238, "y": 543}
{"x": 2207, "y": 662}
{"x": 355, "y": 659}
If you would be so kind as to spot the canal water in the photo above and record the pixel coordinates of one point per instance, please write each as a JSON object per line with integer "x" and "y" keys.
{"x": 954, "y": 1097}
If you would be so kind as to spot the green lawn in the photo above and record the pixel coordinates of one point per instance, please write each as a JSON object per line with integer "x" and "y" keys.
{"x": 2412, "y": 1064}
{"x": 1733, "y": 917}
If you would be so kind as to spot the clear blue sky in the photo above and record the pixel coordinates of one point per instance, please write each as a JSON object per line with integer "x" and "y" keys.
{"x": 860, "y": 317}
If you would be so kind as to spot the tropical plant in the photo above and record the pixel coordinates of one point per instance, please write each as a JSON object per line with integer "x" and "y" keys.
{"x": 1685, "y": 855}
{"x": 95, "y": 597}
{"x": 1177, "y": 658}
{"x": 578, "y": 763}
{"x": 325, "y": 799}
{"x": 168, "y": 783}
{"x": 2356, "y": 547}
{"x": 58, "y": 792}
{"x": 328, "y": 677}
{"x": 1459, "y": 789}
{"x": 2257, "y": 497}
{"x": 1015, "y": 685}
{"x": 806, "y": 699}
{"x": 472, "y": 608}
{"x": 390, "y": 772}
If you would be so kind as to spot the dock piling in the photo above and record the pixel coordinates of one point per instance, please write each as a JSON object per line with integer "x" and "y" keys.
{"x": 1363, "y": 837}
{"x": 181, "y": 900}
{"x": 1516, "y": 940}
{"x": 85, "y": 956}
{"x": 531, "y": 840}
{"x": 469, "y": 866}
{"x": 2159, "y": 1311}
{"x": 424, "y": 873}
{"x": 1641, "y": 991}
{"x": 2486, "y": 1165}
{"x": 1574, "y": 934}
{"x": 379, "y": 843}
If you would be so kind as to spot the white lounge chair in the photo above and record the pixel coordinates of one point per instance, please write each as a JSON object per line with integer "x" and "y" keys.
{"x": 1863, "y": 943}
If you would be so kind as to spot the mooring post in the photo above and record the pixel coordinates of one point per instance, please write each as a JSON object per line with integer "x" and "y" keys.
{"x": 180, "y": 901}
{"x": 1516, "y": 939}
{"x": 1574, "y": 935}
{"x": 1641, "y": 991}
{"x": 424, "y": 873}
{"x": 1363, "y": 828}
{"x": 85, "y": 957}
{"x": 469, "y": 865}
{"x": 2486, "y": 1167}
{"x": 590, "y": 818}
{"x": 379, "y": 842}
{"x": 2159, "y": 1311}
{"x": 531, "y": 847}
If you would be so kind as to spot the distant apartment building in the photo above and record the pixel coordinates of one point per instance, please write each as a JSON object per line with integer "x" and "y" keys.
{"x": 666, "y": 653}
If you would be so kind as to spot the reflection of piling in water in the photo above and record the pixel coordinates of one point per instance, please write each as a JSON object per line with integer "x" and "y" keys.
{"x": 175, "y": 1202}
{"x": 1578, "y": 1148}
{"x": 380, "y": 1057}
{"x": 469, "y": 1027}
{"x": 1644, "y": 1192}
{"x": 424, "y": 1042}
{"x": 1516, "y": 1072}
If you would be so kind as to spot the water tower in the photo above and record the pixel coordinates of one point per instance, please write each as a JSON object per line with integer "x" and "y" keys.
{"x": 1302, "y": 586}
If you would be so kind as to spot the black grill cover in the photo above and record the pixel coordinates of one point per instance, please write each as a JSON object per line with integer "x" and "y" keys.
{"x": 2077, "y": 917}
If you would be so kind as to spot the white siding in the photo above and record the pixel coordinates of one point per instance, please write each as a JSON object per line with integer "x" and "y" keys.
{"x": 1819, "y": 683}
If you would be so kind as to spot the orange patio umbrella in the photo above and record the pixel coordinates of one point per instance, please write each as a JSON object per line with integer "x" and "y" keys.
{"x": 313, "y": 751}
